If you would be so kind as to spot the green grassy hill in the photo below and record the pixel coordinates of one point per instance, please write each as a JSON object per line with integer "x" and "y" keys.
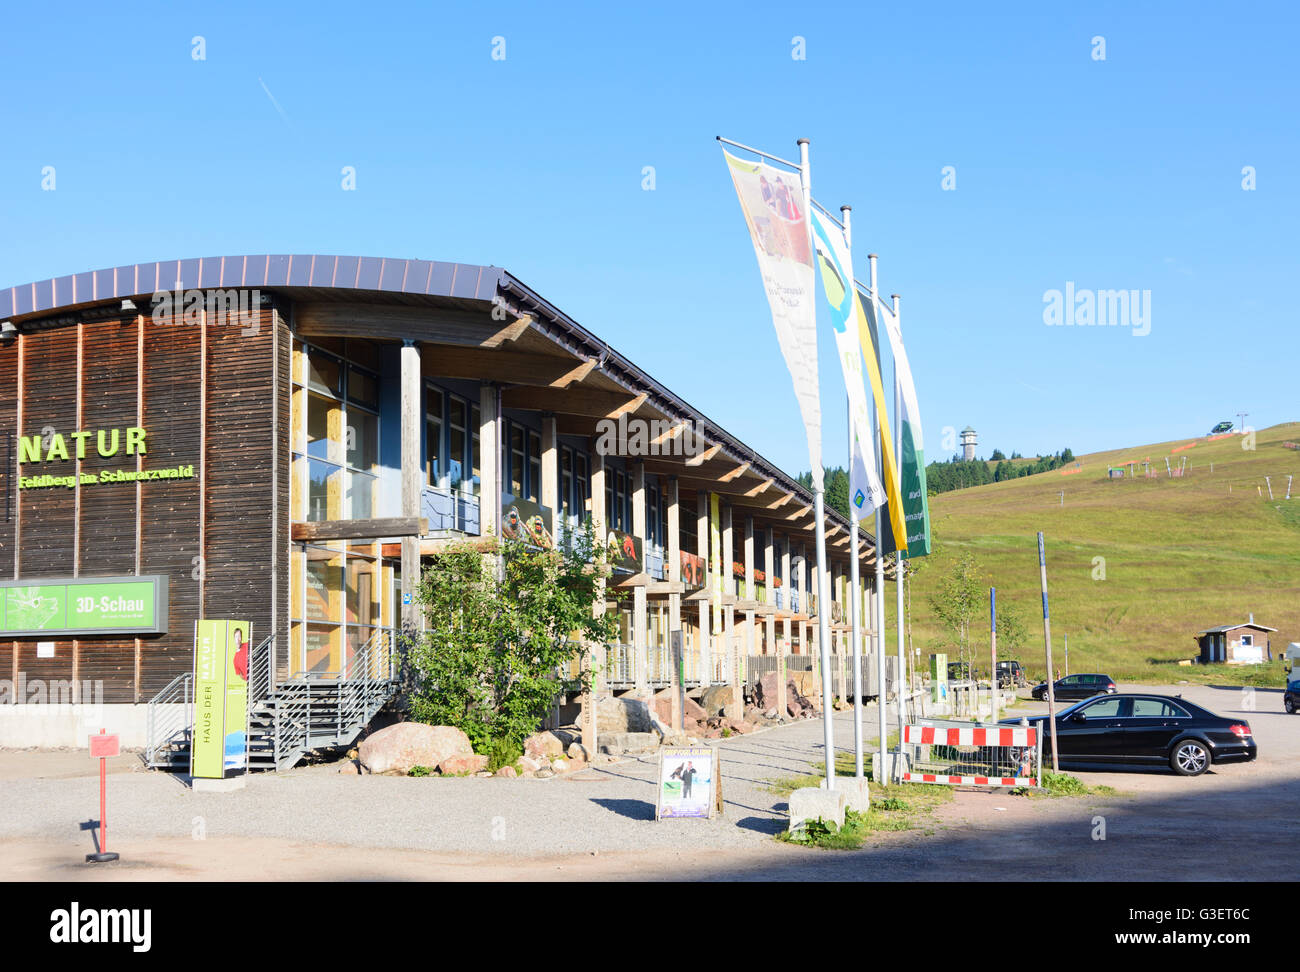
{"x": 1180, "y": 555}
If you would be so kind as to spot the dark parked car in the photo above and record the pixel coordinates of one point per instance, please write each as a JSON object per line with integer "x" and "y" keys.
{"x": 1291, "y": 698}
{"x": 1074, "y": 687}
{"x": 1146, "y": 729}
{"x": 1011, "y": 673}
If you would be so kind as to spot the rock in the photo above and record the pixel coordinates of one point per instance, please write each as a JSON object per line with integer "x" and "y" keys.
{"x": 545, "y": 774}
{"x": 716, "y": 698}
{"x": 577, "y": 752}
{"x": 770, "y": 713}
{"x": 483, "y": 774}
{"x": 529, "y": 764}
{"x": 399, "y": 747}
{"x": 577, "y": 765}
{"x": 694, "y": 710}
{"x": 690, "y": 725}
{"x": 462, "y": 765}
{"x": 739, "y": 726}
{"x": 507, "y": 771}
{"x": 616, "y": 743}
{"x": 543, "y": 744}
{"x": 713, "y": 734}
{"x": 350, "y": 768}
{"x": 560, "y": 765}
{"x": 814, "y": 803}
{"x": 765, "y": 690}
{"x": 614, "y": 715}
{"x": 752, "y": 715}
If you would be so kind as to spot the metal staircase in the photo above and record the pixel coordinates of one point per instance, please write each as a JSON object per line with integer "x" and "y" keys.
{"x": 286, "y": 719}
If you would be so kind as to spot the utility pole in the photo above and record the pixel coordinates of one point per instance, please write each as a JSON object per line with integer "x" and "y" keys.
{"x": 1047, "y": 638}
{"x": 1242, "y": 416}
{"x": 993, "y": 648}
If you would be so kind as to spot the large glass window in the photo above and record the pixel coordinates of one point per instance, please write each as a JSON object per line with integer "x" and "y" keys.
{"x": 433, "y": 436}
{"x": 456, "y": 429}
{"x": 517, "y": 460}
{"x": 475, "y": 459}
{"x": 566, "y": 481}
{"x": 534, "y": 468}
{"x": 340, "y": 436}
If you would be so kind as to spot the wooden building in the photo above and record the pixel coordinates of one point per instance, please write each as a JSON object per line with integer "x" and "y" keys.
{"x": 1235, "y": 644}
{"x": 283, "y": 438}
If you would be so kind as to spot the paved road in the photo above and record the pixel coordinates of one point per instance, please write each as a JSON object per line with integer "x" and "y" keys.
{"x": 1236, "y": 822}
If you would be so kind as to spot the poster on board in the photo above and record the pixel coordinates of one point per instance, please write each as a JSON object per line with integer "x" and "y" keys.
{"x": 690, "y": 783}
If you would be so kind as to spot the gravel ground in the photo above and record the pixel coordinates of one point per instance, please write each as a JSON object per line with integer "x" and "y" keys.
{"x": 603, "y": 808}
{"x": 1234, "y": 823}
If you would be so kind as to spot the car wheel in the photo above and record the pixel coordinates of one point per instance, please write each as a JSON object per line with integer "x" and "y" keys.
{"x": 1189, "y": 758}
{"x": 1290, "y": 706}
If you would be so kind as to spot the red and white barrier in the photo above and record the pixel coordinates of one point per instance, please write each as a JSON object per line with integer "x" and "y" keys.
{"x": 1005, "y": 748}
{"x": 971, "y": 736}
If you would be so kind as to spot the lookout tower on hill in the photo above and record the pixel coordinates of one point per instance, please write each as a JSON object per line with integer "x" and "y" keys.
{"x": 968, "y": 443}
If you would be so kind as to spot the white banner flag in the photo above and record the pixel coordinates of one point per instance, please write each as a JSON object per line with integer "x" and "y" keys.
{"x": 772, "y": 201}
{"x": 835, "y": 262}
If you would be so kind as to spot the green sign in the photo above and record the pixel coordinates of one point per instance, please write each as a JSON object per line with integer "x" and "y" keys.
{"x": 78, "y": 606}
{"x": 221, "y": 656}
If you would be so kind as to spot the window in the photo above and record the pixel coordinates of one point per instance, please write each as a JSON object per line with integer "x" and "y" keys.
{"x": 1157, "y": 709}
{"x": 534, "y": 468}
{"x": 1247, "y": 640}
{"x": 340, "y": 422}
{"x": 582, "y": 498}
{"x": 472, "y": 485}
{"x": 566, "y": 481}
{"x": 517, "y": 460}
{"x": 456, "y": 415}
{"x": 433, "y": 436}
{"x": 1103, "y": 709}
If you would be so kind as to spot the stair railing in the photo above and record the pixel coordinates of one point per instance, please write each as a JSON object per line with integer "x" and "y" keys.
{"x": 168, "y": 714}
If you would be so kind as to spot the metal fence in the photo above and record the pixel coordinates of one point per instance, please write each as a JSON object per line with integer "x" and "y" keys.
{"x": 938, "y": 751}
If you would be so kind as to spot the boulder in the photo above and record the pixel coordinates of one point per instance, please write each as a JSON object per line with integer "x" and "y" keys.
{"x": 560, "y": 765}
{"x": 623, "y": 714}
{"x": 765, "y": 690}
{"x": 462, "y": 765}
{"x": 398, "y": 748}
{"x": 545, "y": 744}
{"x": 716, "y": 698}
{"x": 507, "y": 771}
{"x": 530, "y": 764}
{"x": 576, "y": 751}
{"x": 616, "y": 743}
{"x": 349, "y": 767}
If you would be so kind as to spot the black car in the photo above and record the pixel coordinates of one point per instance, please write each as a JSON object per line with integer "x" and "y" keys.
{"x": 1075, "y": 687}
{"x": 1011, "y": 673}
{"x": 1145, "y": 729}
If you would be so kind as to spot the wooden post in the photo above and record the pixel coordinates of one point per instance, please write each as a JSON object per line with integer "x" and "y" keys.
{"x": 596, "y": 652}
{"x": 736, "y": 709}
{"x": 412, "y": 422}
{"x": 676, "y": 639}
{"x": 784, "y": 648}
{"x": 702, "y": 551}
{"x": 640, "y": 609}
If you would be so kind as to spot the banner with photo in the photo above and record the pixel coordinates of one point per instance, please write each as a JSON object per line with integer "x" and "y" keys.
{"x": 772, "y": 201}
{"x": 916, "y": 501}
{"x": 893, "y": 525}
{"x": 836, "y": 265}
{"x": 221, "y": 658}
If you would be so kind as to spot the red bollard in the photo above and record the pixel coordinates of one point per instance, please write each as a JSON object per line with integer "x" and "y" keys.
{"x": 102, "y": 747}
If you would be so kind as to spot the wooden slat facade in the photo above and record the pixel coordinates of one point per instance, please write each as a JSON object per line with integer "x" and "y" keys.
{"x": 214, "y": 537}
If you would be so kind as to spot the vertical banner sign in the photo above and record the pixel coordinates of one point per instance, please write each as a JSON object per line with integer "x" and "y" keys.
{"x": 221, "y": 650}
{"x": 834, "y": 261}
{"x": 916, "y": 503}
{"x": 772, "y": 201}
{"x": 893, "y": 525}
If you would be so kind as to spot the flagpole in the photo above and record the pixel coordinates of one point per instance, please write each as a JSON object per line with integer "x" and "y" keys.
{"x": 823, "y": 580}
{"x": 855, "y": 599}
{"x": 900, "y": 563}
{"x": 880, "y": 774}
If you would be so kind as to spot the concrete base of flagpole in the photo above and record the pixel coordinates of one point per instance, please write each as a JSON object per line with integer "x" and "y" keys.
{"x": 883, "y": 766}
{"x": 101, "y": 858}
{"x": 856, "y": 792}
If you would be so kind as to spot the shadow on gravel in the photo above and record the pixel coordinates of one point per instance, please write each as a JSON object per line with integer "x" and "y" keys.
{"x": 632, "y": 809}
{"x": 762, "y": 825}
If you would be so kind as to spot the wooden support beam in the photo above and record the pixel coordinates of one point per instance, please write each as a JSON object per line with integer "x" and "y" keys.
{"x": 705, "y": 456}
{"x": 734, "y": 473}
{"x": 395, "y": 526}
{"x": 574, "y": 376}
{"x": 761, "y": 487}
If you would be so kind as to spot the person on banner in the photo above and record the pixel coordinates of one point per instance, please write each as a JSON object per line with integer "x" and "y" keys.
{"x": 686, "y": 773}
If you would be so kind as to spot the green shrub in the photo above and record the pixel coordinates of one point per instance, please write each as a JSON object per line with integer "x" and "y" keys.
{"x": 502, "y": 752}
{"x": 420, "y": 771}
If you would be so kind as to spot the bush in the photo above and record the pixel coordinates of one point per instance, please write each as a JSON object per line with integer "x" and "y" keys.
{"x": 503, "y": 628}
{"x": 502, "y": 752}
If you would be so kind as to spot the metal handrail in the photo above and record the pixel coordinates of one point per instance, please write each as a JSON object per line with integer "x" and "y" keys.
{"x": 160, "y": 729}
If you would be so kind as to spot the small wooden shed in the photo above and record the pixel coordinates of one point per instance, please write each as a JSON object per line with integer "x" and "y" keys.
{"x": 1235, "y": 644}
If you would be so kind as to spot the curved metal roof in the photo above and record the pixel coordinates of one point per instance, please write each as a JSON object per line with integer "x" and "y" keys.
{"x": 373, "y": 275}
{"x": 422, "y": 277}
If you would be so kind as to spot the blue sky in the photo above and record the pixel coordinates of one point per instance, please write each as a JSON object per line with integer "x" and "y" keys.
{"x": 1122, "y": 173}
